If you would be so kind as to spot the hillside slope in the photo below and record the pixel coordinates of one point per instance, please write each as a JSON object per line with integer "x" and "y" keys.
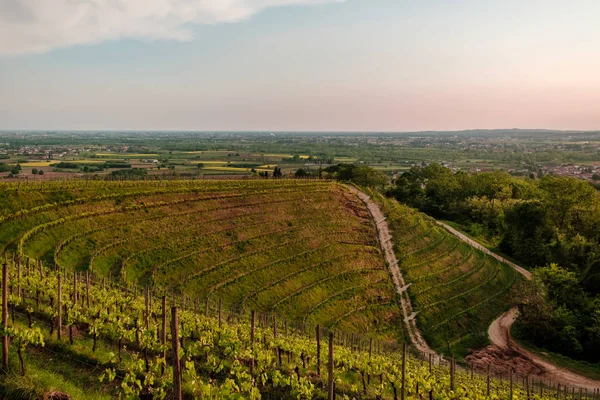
{"x": 456, "y": 290}
{"x": 306, "y": 250}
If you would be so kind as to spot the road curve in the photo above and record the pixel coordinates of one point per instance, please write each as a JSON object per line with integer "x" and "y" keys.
{"x": 499, "y": 333}
{"x": 384, "y": 237}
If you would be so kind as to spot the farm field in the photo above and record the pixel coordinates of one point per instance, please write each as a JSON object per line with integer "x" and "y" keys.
{"x": 306, "y": 250}
{"x": 456, "y": 290}
{"x": 130, "y": 346}
{"x": 302, "y": 253}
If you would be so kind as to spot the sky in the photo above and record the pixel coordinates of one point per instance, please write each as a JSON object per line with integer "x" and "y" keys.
{"x": 299, "y": 65}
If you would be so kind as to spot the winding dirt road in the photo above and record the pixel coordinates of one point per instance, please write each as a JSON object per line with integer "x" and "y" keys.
{"x": 385, "y": 242}
{"x": 507, "y": 354}
{"x": 504, "y": 353}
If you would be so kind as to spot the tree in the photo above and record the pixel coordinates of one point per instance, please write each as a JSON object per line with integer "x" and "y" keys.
{"x": 41, "y": 172}
{"x": 34, "y": 171}
{"x": 301, "y": 173}
{"x": 528, "y": 230}
{"x": 566, "y": 197}
{"x": 557, "y": 315}
{"x": 367, "y": 176}
{"x": 277, "y": 172}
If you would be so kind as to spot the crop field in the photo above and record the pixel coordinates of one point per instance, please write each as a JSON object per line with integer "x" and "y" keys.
{"x": 127, "y": 155}
{"x": 112, "y": 342}
{"x": 456, "y": 290}
{"x": 306, "y": 250}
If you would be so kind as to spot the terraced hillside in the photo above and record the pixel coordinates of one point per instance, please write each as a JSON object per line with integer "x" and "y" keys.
{"x": 456, "y": 290}
{"x": 304, "y": 249}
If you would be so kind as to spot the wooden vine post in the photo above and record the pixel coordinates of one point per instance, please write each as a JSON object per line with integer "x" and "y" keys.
{"x": 452, "y": 366}
{"x": 177, "y": 393}
{"x": 330, "y": 377}
{"x": 59, "y": 303}
{"x": 488, "y": 380}
{"x": 74, "y": 288}
{"x": 430, "y": 363}
{"x": 252, "y": 329}
{"x": 318, "y": 335}
{"x": 164, "y": 329}
{"x": 19, "y": 278}
{"x": 147, "y": 301}
{"x": 87, "y": 288}
{"x": 403, "y": 391}
{"x": 220, "y": 313}
{"x": 5, "y": 314}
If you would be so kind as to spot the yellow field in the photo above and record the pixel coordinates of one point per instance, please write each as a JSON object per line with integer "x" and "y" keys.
{"x": 233, "y": 169}
{"x": 126, "y": 155}
{"x": 345, "y": 159}
{"x": 207, "y": 152}
{"x": 36, "y": 164}
{"x": 209, "y": 162}
{"x": 283, "y": 155}
{"x": 91, "y": 161}
{"x": 211, "y": 168}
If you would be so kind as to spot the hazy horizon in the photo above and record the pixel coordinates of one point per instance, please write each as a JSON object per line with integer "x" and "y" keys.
{"x": 299, "y": 65}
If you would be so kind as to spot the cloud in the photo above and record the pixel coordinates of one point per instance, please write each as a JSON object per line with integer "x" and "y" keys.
{"x": 38, "y": 26}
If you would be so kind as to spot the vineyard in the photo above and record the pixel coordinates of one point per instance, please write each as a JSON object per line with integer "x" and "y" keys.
{"x": 152, "y": 347}
{"x": 237, "y": 289}
{"x": 303, "y": 249}
{"x": 455, "y": 290}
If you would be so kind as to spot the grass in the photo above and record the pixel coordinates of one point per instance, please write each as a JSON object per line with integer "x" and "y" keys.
{"x": 55, "y": 368}
{"x": 46, "y": 375}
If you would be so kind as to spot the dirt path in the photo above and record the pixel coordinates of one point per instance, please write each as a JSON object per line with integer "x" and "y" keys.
{"x": 385, "y": 241}
{"x": 507, "y": 354}
{"x": 478, "y": 246}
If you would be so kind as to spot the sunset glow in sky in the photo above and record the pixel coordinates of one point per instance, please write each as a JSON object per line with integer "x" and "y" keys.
{"x": 359, "y": 65}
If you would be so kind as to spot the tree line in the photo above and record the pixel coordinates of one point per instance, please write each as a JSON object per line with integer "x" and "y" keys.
{"x": 551, "y": 225}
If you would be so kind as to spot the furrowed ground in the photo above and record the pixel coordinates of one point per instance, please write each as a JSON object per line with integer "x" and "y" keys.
{"x": 456, "y": 290}
{"x": 306, "y": 250}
